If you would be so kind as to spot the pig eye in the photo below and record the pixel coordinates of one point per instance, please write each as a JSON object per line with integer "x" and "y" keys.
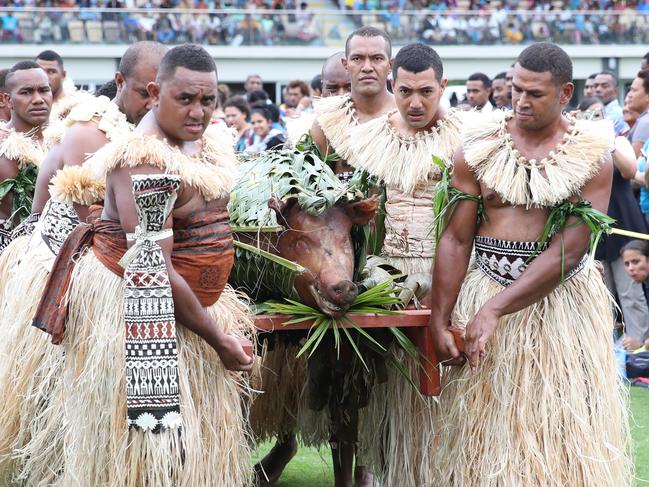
{"x": 302, "y": 246}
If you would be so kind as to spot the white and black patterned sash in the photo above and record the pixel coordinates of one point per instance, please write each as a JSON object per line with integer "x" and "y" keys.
{"x": 152, "y": 396}
{"x": 505, "y": 260}
{"x": 57, "y": 222}
{"x": 6, "y": 229}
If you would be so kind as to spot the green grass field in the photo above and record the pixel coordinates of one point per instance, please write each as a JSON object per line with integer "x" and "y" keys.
{"x": 312, "y": 468}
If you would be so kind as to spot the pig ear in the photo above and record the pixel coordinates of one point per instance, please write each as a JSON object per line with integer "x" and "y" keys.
{"x": 281, "y": 207}
{"x": 362, "y": 212}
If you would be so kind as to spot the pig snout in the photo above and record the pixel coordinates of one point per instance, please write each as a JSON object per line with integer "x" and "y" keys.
{"x": 342, "y": 293}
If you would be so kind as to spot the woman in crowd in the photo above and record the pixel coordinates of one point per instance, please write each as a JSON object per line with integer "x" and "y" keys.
{"x": 237, "y": 113}
{"x": 266, "y": 137}
{"x": 635, "y": 255}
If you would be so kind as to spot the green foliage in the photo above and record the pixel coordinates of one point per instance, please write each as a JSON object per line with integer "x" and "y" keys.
{"x": 378, "y": 300}
{"x": 583, "y": 211}
{"x": 446, "y": 199}
{"x": 22, "y": 188}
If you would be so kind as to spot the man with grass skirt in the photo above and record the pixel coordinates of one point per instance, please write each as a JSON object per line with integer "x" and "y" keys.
{"x": 539, "y": 402}
{"x": 407, "y": 151}
{"x": 154, "y": 403}
{"x": 21, "y": 150}
{"x": 70, "y": 179}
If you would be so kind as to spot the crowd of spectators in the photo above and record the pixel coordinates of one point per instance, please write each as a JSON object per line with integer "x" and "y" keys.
{"x": 279, "y": 22}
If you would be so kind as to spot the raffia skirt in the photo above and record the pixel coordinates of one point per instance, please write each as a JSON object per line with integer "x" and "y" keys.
{"x": 546, "y": 406}
{"x": 8, "y": 258}
{"x": 85, "y": 412}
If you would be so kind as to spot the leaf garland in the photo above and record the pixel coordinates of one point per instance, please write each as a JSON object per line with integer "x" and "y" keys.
{"x": 22, "y": 188}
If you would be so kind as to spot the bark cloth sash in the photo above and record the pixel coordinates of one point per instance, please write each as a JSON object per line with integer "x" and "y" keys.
{"x": 202, "y": 254}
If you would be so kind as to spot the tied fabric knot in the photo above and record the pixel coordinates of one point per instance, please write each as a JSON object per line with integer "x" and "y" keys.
{"x": 140, "y": 236}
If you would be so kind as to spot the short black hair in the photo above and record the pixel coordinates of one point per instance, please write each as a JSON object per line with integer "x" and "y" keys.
{"x": 20, "y": 66}
{"x": 644, "y": 76}
{"x": 50, "y": 55}
{"x": 108, "y": 89}
{"x": 337, "y": 56}
{"x": 367, "y": 31}
{"x": 646, "y": 57}
{"x": 316, "y": 82}
{"x": 136, "y": 52}
{"x": 587, "y": 102}
{"x": 3, "y": 76}
{"x": 612, "y": 75}
{"x": 188, "y": 56}
{"x": 256, "y": 96}
{"x": 593, "y": 76}
{"x": 502, "y": 75}
{"x": 486, "y": 82}
{"x": 547, "y": 57}
{"x": 238, "y": 102}
{"x": 418, "y": 57}
{"x": 263, "y": 111}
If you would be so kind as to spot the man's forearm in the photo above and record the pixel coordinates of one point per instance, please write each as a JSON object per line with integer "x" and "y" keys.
{"x": 451, "y": 262}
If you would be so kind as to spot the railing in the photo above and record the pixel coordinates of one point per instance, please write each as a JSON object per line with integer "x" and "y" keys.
{"x": 234, "y": 27}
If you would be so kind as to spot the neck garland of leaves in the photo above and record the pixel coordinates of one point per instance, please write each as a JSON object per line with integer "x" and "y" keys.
{"x": 22, "y": 188}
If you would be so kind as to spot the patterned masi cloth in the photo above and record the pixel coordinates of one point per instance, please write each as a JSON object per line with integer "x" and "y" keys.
{"x": 151, "y": 350}
{"x": 505, "y": 260}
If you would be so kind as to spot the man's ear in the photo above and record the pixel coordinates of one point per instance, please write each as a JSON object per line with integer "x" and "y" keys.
{"x": 119, "y": 80}
{"x": 65, "y": 74}
{"x": 442, "y": 84}
{"x": 153, "y": 89}
{"x": 4, "y": 100}
{"x": 343, "y": 60}
{"x": 362, "y": 212}
{"x": 566, "y": 93}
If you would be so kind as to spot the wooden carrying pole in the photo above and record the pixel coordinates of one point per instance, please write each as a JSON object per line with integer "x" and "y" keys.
{"x": 413, "y": 322}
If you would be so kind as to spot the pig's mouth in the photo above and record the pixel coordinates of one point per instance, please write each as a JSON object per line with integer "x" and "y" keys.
{"x": 326, "y": 306}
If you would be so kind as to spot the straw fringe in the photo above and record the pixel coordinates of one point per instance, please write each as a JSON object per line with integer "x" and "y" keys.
{"x": 274, "y": 412}
{"x": 546, "y": 406}
{"x": 397, "y": 431}
{"x": 212, "y": 174}
{"x": 31, "y": 368}
{"x": 335, "y": 115}
{"x": 98, "y": 447}
{"x": 404, "y": 162}
{"x": 8, "y": 258}
{"x": 77, "y": 184}
{"x": 20, "y": 147}
{"x": 490, "y": 152}
{"x": 62, "y": 107}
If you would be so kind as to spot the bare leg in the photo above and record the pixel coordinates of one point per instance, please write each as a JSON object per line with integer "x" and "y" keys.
{"x": 270, "y": 468}
{"x": 343, "y": 463}
{"x": 363, "y": 477}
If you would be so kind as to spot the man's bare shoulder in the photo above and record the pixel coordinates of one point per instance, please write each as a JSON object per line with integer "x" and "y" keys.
{"x": 86, "y": 133}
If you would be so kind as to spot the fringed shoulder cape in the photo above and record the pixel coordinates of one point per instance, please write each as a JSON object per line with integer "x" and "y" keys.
{"x": 490, "y": 152}
{"x": 407, "y": 168}
{"x": 336, "y": 116}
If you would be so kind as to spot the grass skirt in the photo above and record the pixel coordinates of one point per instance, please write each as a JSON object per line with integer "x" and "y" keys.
{"x": 9, "y": 256}
{"x": 546, "y": 406}
{"x": 88, "y": 405}
{"x": 31, "y": 366}
{"x": 274, "y": 412}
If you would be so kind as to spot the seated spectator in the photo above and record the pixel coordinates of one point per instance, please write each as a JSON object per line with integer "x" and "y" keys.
{"x": 10, "y": 28}
{"x": 297, "y": 99}
{"x": 635, "y": 256}
{"x": 266, "y": 137}
{"x": 237, "y": 113}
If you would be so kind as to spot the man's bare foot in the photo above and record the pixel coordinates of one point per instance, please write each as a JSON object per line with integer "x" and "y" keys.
{"x": 270, "y": 468}
{"x": 363, "y": 477}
